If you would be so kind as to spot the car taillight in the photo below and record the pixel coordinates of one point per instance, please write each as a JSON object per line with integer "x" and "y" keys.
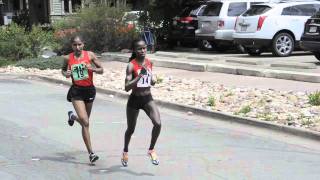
{"x": 186, "y": 19}
{"x": 235, "y": 24}
{"x": 260, "y": 22}
{"x": 220, "y": 24}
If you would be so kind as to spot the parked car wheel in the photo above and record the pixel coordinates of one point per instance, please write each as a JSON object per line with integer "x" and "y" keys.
{"x": 317, "y": 55}
{"x": 205, "y": 45}
{"x": 282, "y": 45}
{"x": 254, "y": 51}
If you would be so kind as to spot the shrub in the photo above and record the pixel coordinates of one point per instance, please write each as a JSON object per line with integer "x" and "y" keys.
{"x": 100, "y": 26}
{"x": 16, "y": 43}
{"x": 38, "y": 39}
{"x": 211, "y": 101}
{"x": 13, "y": 42}
{"x": 159, "y": 79}
{"x": 314, "y": 98}
{"x": 5, "y": 62}
{"x": 245, "y": 110}
{"x": 42, "y": 63}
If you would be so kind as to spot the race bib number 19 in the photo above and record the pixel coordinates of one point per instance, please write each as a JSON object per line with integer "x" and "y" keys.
{"x": 79, "y": 72}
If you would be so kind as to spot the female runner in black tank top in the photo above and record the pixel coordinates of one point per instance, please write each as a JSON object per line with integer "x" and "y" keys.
{"x": 137, "y": 74}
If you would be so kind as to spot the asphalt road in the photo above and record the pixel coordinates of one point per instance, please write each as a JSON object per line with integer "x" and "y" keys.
{"x": 37, "y": 143}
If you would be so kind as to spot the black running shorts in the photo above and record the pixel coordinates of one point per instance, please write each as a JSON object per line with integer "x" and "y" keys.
{"x": 138, "y": 102}
{"x": 87, "y": 94}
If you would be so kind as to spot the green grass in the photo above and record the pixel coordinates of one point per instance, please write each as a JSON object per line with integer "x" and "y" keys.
{"x": 314, "y": 98}
{"x": 42, "y": 63}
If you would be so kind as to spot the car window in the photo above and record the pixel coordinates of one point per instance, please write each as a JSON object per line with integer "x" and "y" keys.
{"x": 300, "y": 10}
{"x": 316, "y": 15}
{"x": 235, "y": 9}
{"x": 200, "y": 13}
{"x": 307, "y": 9}
{"x": 185, "y": 12}
{"x": 194, "y": 11}
{"x": 254, "y": 3}
{"x": 212, "y": 9}
{"x": 256, "y": 10}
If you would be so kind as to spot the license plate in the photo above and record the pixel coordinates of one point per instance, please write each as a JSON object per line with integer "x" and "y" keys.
{"x": 243, "y": 28}
{"x": 205, "y": 25}
{"x": 313, "y": 29}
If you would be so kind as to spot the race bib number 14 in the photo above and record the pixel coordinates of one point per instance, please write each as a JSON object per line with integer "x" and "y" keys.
{"x": 79, "y": 72}
{"x": 145, "y": 81}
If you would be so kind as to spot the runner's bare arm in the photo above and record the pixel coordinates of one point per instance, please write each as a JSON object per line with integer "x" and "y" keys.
{"x": 129, "y": 82}
{"x": 98, "y": 66}
{"x": 65, "y": 71}
{"x": 153, "y": 77}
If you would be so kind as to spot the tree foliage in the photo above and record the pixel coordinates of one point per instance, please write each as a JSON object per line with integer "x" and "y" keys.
{"x": 159, "y": 13}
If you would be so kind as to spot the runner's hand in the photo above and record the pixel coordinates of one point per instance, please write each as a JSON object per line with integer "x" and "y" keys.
{"x": 89, "y": 67}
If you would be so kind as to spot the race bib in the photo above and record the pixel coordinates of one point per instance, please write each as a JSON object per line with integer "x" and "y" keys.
{"x": 145, "y": 80}
{"x": 79, "y": 72}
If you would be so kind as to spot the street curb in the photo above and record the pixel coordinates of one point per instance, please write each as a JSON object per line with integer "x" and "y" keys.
{"x": 200, "y": 67}
{"x": 294, "y": 65}
{"x": 241, "y": 61}
{"x": 227, "y": 69}
{"x": 300, "y": 132}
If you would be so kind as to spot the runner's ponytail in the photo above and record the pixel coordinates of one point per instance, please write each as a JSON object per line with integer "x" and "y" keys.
{"x": 133, "y": 56}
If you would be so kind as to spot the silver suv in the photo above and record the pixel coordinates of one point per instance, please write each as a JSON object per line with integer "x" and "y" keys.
{"x": 216, "y": 25}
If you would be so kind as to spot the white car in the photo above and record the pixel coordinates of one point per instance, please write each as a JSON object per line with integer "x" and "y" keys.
{"x": 275, "y": 26}
{"x": 216, "y": 24}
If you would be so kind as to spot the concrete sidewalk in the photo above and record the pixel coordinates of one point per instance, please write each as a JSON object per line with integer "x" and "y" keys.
{"x": 298, "y": 67}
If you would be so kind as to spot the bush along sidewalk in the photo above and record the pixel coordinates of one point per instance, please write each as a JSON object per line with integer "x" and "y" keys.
{"x": 16, "y": 43}
{"x": 42, "y": 63}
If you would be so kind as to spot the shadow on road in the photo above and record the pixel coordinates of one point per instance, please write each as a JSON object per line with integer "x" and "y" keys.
{"x": 118, "y": 168}
{"x": 64, "y": 158}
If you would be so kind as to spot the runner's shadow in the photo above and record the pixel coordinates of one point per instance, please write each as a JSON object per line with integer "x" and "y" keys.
{"x": 118, "y": 168}
{"x": 63, "y": 158}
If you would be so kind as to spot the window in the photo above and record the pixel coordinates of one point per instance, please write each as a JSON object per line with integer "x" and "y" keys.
{"x": 16, "y": 5}
{"x": 75, "y": 4}
{"x": 235, "y": 9}
{"x": 316, "y": 15}
{"x": 256, "y": 10}
{"x": 212, "y": 9}
{"x": 254, "y": 3}
{"x": 187, "y": 11}
{"x": 301, "y": 10}
{"x": 307, "y": 9}
{"x": 200, "y": 13}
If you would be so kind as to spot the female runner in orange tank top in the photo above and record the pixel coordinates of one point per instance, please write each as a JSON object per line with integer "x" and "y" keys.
{"x": 139, "y": 79}
{"x": 80, "y": 65}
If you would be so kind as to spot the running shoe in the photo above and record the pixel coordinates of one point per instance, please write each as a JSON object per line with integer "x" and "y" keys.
{"x": 124, "y": 159}
{"x": 71, "y": 118}
{"x": 93, "y": 157}
{"x": 153, "y": 157}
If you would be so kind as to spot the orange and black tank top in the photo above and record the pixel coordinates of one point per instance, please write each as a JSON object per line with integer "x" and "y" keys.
{"x": 145, "y": 80}
{"x": 81, "y": 76}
